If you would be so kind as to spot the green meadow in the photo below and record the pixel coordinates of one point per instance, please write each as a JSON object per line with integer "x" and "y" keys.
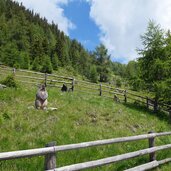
{"x": 79, "y": 117}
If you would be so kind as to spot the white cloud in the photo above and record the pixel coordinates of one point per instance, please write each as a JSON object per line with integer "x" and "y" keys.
{"x": 123, "y": 21}
{"x": 52, "y": 11}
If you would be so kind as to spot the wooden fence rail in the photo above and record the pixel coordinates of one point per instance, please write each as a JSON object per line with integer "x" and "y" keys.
{"x": 82, "y": 86}
{"x": 149, "y": 165}
{"x": 50, "y": 150}
{"x": 109, "y": 160}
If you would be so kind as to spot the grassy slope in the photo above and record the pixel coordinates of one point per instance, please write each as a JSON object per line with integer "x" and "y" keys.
{"x": 79, "y": 118}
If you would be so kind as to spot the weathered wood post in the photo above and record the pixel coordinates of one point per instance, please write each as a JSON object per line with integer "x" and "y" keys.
{"x": 152, "y": 156}
{"x": 155, "y": 106}
{"x": 50, "y": 159}
{"x": 100, "y": 90}
{"x": 45, "y": 79}
{"x": 147, "y": 104}
{"x": 170, "y": 116}
{"x": 13, "y": 71}
{"x": 73, "y": 84}
{"x": 125, "y": 96}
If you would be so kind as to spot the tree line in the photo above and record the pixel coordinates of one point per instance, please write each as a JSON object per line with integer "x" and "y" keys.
{"x": 28, "y": 41}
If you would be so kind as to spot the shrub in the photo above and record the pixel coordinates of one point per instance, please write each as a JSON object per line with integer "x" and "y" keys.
{"x": 118, "y": 83}
{"x": 9, "y": 81}
{"x": 137, "y": 84}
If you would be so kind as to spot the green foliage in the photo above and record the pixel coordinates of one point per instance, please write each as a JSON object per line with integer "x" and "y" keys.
{"x": 163, "y": 90}
{"x": 132, "y": 69}
{"x": 74, "y": 53}
{"x": 25, "y": 64}
{"x": 10, "y": 54}
{"x": 25, "y": 38}
{"x": 137, "y": 84}
{"x": 36, "y": 64}
{"x": 55, "y": 61}
{"x": 79, "y": 118}
{"x": 119, "y": 69}
{"x": 6, "y": 116}
{"x": 103, "y": 62}
{"x": 62, "y": 50}
{"x": 104, "y": 73}
{"x": 153, "y": 52}
{"x": 118, "y": 82}
{"x": 155, "y": 61}
{"x": 46, "y": 66}
{"x": 101, "y": 54}
{"x": 93, "y": 74}
{"x": 9, "y": 81}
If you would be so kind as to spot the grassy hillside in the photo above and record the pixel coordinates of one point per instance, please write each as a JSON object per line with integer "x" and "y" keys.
{"x": 79, "y": 118}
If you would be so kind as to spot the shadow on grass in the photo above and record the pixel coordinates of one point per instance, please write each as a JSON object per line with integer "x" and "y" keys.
{"x": 160, "y": 114}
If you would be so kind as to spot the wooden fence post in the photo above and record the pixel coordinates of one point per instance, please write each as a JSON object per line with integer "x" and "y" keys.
{"x": 170, "y": 115}
{"x": 45, "y": 79}
{"x": 147, "y": 104}
{"x": 50, "y": 159}
{"x": 100, "y": 90}
{"x": 73, "y": 84}
{"x": 13, "y": 71}
{"x": 125, "y": 96}
{"x": 155, "y": 105}
{"x": 152, "y": 156}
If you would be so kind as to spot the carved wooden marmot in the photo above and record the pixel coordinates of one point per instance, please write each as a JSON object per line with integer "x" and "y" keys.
{"x": 41, "y": 98}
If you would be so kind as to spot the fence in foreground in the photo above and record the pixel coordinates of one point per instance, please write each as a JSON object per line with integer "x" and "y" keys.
{"x": 51, "y": 150}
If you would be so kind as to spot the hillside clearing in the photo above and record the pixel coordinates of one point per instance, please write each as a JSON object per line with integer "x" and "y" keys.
{"x": 79, "y": 118}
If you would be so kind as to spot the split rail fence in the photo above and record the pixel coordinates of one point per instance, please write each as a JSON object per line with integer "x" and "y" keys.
{"x": 109, "y": 91}
{"x": 51, "y": 80}
{"x": 51, "y": 150}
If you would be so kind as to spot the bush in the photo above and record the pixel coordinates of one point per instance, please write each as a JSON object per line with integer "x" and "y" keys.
{"x": 137, "y": 84}
{"x": 163, "y": 90}
{"x": 9, "y": 81}
{"x": 118, "y": 83}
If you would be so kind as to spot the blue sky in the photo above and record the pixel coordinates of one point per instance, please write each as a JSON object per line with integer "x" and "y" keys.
{"x": 117, "y": 24}
{"x": 85, "y": 31}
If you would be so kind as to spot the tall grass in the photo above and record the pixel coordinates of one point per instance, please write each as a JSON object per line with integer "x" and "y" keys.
{"x": 79, "y": 118}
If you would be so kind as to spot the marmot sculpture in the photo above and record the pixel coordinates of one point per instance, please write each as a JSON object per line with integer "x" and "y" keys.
{"x": 64, "y": 88}
{"x": 41, "y": 98}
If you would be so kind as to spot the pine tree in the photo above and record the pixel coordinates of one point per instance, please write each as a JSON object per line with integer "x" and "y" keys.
{"x": 152, "y": 54}
{"x": 93, "y": 74}
{"x": 103, "y": 61}
{"x": 62, "y": 51}
{"x": 36, "y": 64}
{"x": 25, "y": 60}
{"x": 155, "y": 61}
{"x": 55, "y": 61}
{"x": 46, "y": 66}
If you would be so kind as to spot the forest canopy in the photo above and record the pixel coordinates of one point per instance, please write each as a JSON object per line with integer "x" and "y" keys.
{"x": 28, "y": 41}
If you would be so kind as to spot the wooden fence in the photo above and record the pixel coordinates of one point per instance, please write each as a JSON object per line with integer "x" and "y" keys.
{"x": 51, "y": 149}
{"x": 109, "y": 91}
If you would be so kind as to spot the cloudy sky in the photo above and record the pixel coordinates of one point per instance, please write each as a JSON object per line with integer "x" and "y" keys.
{"x": 117, "y": 24}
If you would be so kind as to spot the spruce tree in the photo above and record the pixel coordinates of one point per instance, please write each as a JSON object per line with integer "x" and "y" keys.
{"x": 55, "y": 61}
{"x": 46, "y": 66}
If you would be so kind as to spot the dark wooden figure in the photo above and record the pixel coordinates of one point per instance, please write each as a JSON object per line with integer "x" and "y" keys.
{"x": 64, "y": 88}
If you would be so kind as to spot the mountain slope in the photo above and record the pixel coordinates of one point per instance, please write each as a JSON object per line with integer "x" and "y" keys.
{"x": 79, "y": 118}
